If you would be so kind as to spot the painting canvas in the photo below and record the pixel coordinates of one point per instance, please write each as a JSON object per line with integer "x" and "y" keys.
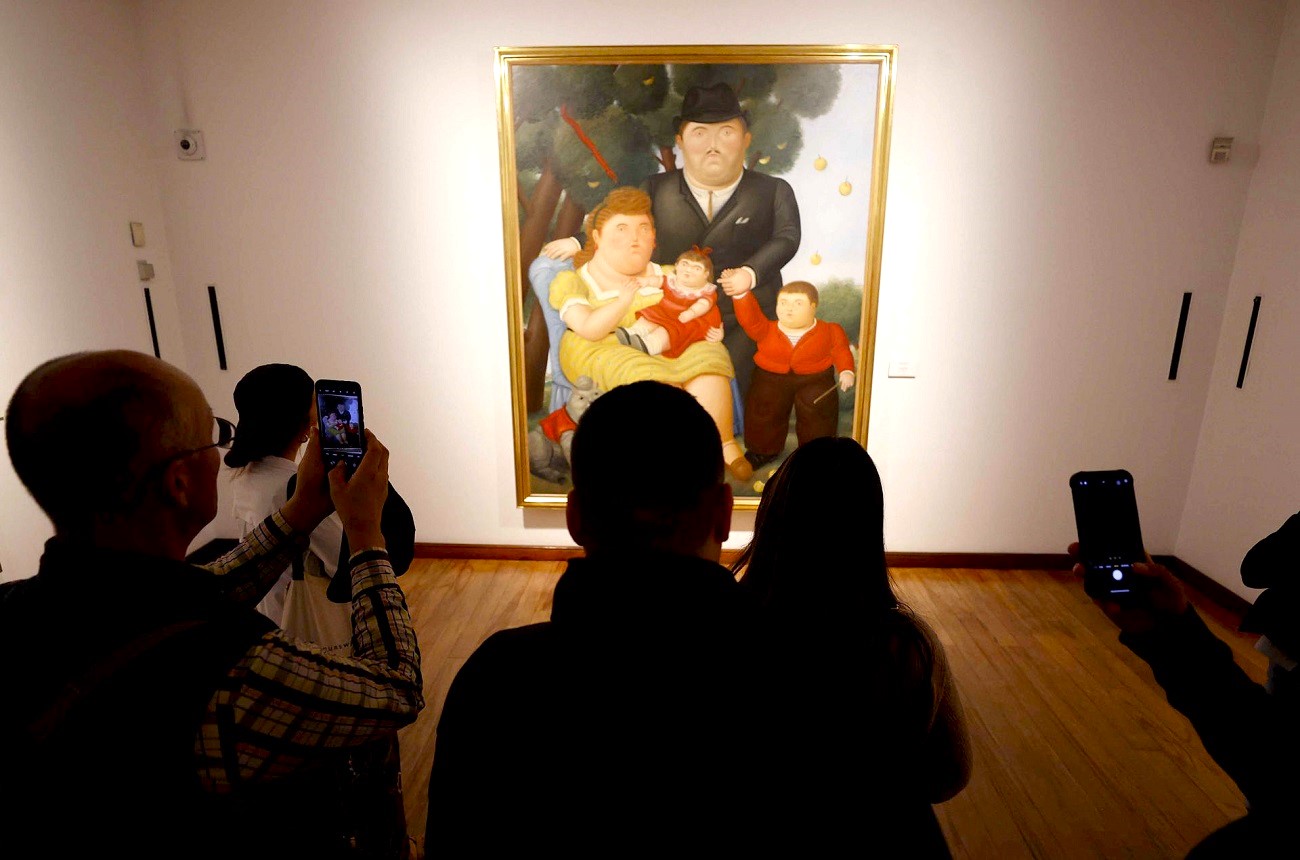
{"x": 709, "y": 216}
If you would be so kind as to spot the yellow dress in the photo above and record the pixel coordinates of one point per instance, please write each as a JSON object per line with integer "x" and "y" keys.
{"x": 610, "y": 363}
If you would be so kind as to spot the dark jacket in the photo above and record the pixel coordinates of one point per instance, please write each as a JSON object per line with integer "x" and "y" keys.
{"x": 118, "y": 769}
{"x": 758, "y": 227}
{"x": 628, "y": 716}
{"x": 1251, "y": 734}
{"x": 1273, "y": 564}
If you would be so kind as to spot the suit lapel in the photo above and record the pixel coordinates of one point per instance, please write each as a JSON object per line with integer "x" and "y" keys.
{"x": 733, "y": 201}
{"x": 688, "y": 199}
{"x": 724, "y": 215}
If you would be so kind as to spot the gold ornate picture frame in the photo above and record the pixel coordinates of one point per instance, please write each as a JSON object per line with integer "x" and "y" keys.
{"x": 575, "y": 123}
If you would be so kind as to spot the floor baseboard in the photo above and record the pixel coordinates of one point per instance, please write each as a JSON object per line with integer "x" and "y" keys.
{"x": 988, "y": 561}
{"x": 1229, "y": 600}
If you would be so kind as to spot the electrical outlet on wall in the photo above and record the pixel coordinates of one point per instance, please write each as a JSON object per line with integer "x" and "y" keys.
{"x": 905, "y": 369}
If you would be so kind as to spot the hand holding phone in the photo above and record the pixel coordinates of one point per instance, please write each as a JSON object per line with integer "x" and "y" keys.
{"x": 1110, "y": 537}
{"x": 360, "y": 500}
{"x": 340, "y": 423}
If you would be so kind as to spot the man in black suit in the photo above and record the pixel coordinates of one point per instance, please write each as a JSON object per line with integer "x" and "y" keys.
{"x": 750, "y": 220}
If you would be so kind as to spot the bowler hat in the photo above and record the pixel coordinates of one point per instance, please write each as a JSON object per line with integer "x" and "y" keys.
{"x": 715, "y": 103}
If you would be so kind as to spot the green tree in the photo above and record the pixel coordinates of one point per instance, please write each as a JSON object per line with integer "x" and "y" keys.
{"x": 841, "y": 302}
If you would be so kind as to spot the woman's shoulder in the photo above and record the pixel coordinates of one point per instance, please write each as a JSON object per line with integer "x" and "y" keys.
{"x": 567, "y": 286}
{"x": 261, "y": 485}
{"x": 913, "y": 644}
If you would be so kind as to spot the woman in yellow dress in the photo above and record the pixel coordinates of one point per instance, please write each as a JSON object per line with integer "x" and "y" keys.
{"x": 604, "y": 292}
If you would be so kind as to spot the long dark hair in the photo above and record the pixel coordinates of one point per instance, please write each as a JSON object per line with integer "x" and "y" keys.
{"x": 273, "y": 401}
{"x": 819, "y": 537}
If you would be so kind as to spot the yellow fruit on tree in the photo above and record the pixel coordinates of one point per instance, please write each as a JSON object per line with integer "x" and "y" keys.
{"x": 765, "y": 159}
{"x": 819, "y": 164}
{"x": 846, "y": 188}
{"x": 815, "y": 259}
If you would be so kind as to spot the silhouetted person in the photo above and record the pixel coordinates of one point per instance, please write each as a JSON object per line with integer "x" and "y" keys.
{"x": 623, "y": 724}
{"x": 1273, "y": 564}
{"x": 150, "y": 710}
{"x": 1251, "y": 734}
{"x": 312, "y": 601}
{"x": 871, "y": 726}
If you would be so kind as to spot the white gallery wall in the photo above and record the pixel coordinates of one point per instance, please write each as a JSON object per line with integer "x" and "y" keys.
{"x": 78, "y": 164}
{"x": 1049, "y": 201}
{"x": 1246, "y": 477}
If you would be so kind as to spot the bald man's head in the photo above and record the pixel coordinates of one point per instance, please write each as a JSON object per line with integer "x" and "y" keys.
{"x": 81, "y": 430}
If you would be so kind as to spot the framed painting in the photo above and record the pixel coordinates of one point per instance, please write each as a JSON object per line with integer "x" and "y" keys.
{"x": 752, "y": 179}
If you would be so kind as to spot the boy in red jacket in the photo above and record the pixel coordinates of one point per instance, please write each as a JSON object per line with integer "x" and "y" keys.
{"x": 792, "y": 370}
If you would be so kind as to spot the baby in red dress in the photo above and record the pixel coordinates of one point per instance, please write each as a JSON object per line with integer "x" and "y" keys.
{"x": 685, "y": 315}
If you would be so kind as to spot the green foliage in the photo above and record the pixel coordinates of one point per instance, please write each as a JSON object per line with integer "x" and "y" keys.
{"x": 777, "y": 137}
{"x": 641, "y": 88}
{"x": 841, "y": 302}
{"x": 663, "y": 131}
{"x": 808, "y": 90}
{"x": 751, "y": 83}
{"x": 533, "y": 89}
{"x": 585, "y": 90}
{"x": 624, "y": 142}
{"x": 627, "y": 111}
{"x": 533, "y": 143}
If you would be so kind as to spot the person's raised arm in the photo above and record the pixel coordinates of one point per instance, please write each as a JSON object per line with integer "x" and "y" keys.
{"x": 360, "y": 499}
{"x": 1250, "y": 734}
{"x": 286, "y": 700}
{"x": 766, "y": 262}
{"x": 562, "y": 249}
{"x": 310, "y": 502}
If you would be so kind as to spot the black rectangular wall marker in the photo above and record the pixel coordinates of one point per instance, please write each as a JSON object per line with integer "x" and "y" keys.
{"x": 1250, "y": 338}
{"x": 1178, "y": 338}
{"x": 153, "y": 326}
{"x": 216, "y": 326}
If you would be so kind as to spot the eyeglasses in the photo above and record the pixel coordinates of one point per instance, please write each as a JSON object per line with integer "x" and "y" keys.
{"x": 223, "y": 433}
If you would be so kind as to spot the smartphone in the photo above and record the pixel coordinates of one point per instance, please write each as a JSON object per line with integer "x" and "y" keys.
{"x": 1110, "y": 536}
{"x": 341, "y": 423}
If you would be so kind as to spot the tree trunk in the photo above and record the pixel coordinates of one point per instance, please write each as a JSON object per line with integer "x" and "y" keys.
{"x": 569, "y": 221}
{"x": 532, "y": 235}
{"x": 668, "y": 158}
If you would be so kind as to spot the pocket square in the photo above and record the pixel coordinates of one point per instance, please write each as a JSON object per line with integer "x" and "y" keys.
{"x": 743, "y": 219}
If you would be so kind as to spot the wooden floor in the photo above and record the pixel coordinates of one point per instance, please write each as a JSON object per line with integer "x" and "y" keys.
{"x": 1077, "y": 753}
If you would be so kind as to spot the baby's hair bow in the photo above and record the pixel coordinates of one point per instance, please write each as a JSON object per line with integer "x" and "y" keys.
{"x": 705, "y": 251}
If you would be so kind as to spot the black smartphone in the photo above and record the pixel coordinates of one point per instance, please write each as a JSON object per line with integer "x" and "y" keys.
{"x": 1110, "y": 536}
{"x": 341, "y": 423}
